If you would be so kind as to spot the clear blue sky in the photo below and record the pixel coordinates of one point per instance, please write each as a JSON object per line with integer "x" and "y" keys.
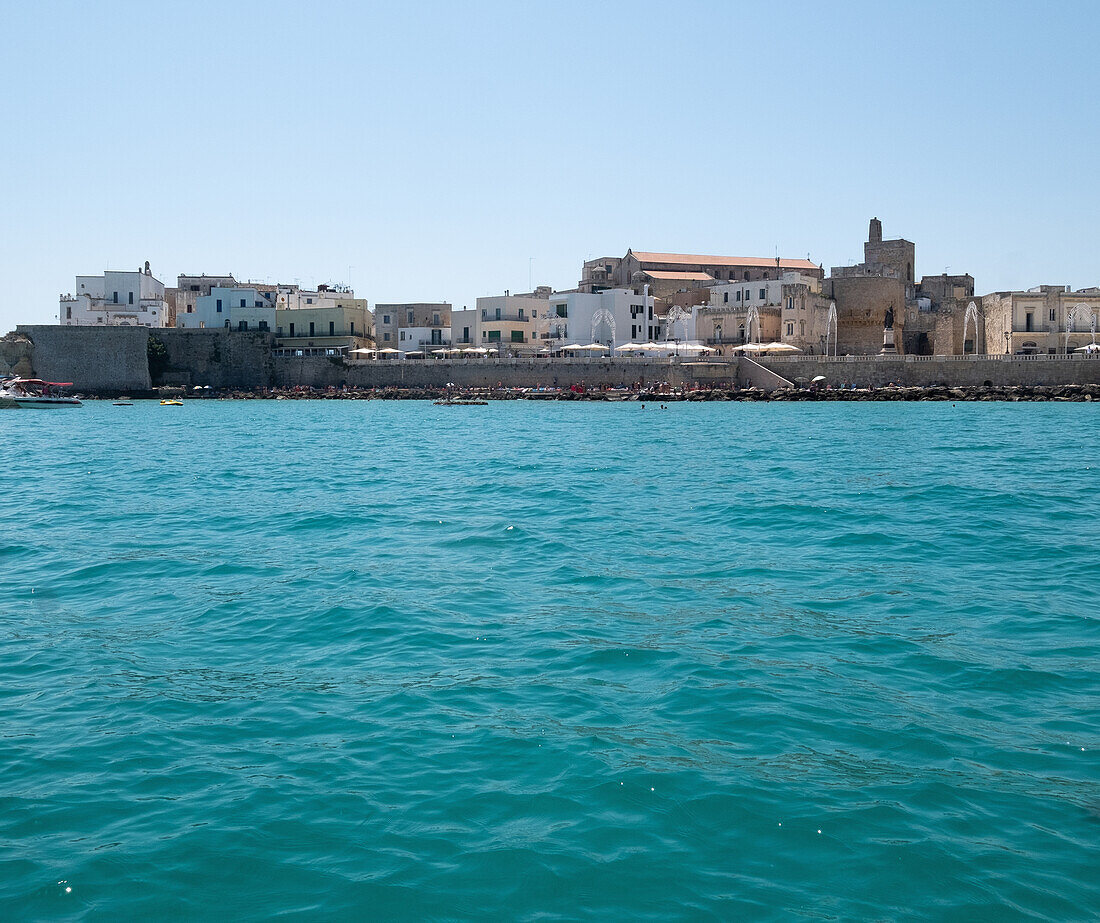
{"x": 436, "y": 147}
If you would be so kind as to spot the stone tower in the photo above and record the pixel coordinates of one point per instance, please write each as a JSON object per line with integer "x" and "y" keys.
{"x": 874, "y": 232}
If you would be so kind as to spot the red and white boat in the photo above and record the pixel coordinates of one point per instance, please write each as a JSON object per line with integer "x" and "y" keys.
{"x": 34, "y": 393}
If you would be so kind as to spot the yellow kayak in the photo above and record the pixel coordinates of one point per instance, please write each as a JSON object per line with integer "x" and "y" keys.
{"x": 171, "y": 403}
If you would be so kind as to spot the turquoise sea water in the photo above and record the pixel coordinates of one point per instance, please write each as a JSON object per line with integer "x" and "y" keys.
{"x": 367, "y": 660}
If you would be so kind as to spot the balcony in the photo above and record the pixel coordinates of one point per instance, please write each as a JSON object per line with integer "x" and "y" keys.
{"x": 505, "y": 316}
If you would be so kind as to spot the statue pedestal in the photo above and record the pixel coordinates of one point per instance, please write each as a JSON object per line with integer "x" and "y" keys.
{"x": 888, "y": 347}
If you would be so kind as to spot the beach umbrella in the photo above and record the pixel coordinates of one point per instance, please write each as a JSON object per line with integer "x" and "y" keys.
{"x": 817, "y": 378}
{"x": 628, "y": 346}
{"x": 780, "y": 348}
{"x": 594, "y": 347}
{"x": 363, "y": 351}
{"x": 1088, "y": 348}
{"x": 440, "y": 352}
{"x": 572, "y": 347}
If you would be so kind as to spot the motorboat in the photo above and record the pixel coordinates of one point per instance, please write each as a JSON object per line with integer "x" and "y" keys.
{"x": 34, "y": 393}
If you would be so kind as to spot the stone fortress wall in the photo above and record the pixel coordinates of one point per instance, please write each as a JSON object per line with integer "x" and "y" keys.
{"x": 117, "y": 359}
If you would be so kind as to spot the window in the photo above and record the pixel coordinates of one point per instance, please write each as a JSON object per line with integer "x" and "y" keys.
{"x": 790, "y": 329}
{"x": 517, "y": 336}
{"x": 219, "y": 306}
{"x": 746, "y": 275}
{"x": 1029, "y": 322}
{"x": 497, "y": 314}
{"x": 435, "y": 319}
{"x": 607, "y": 268}
{"x": 242, "y": 325}
{"x": 278, "y": 331}
{"x": 332, "y": 328}
{"x": 790, "y": 303}
{"x": 227, "y": 323}
{"x": 725, "y": 297}
{"x": 1052, "y": 314}
{"x": 311, "y": 328}
{"x": 410, "y": 318}
{"x": 465, "y": 334}
{"x": 402, "y": 336}
{"x": 190, "y": 309}
{"x": 68, "y": 312}
{"x": 437, "y": 338}
{"x": 309, "y": 301}
{"x": 116, "y": 298}
{"x": 264, "y": 326}
{"x": 352, "y": 328}
{"x": 521, "y": 317}
{"x": 385, "y": 319}
{"x": 259, "y": 304}
{"x": 292, "y": 330}
{"x": 131, "y": 297}
{"x": 494, "y": 336}
{"x": 194, "y": 288}
{"x": 763, "y": 294}
{"x": 801, "y": 328}
{"x": 386, "y": 337}
{"x": 738, "y": 295}
{"x": 563, "y": 310}
{"x": 633, "y": 331}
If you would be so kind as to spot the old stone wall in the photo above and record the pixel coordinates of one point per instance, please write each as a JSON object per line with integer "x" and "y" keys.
{"x": 861, "y": 304}
{"x": 931, "y": 370}
{"x": 92, "y": 358}
{"x": 321, "y": 371}
{"x": 217, "y": 357}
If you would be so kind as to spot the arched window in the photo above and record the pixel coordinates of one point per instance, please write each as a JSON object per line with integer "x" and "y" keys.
{"x": 746, "y": 275}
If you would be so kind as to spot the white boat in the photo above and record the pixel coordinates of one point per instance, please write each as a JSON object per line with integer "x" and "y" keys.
{"x": 34, "y": 393}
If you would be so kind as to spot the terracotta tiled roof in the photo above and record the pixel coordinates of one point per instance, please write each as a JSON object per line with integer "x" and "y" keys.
{"x": 692, "y": 259}
{"x": 682, "y": 276}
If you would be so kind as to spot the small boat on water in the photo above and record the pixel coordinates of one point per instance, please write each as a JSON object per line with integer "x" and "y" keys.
{"x": 170, "y": 402}
{"x": 34, "y": 393}
{"x": 460, "y": 402}
{"x": 124, "y": 402}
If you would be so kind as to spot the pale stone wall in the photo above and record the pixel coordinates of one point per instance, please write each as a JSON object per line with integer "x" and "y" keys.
{"x": 91, "y": 357}
{"x": 861, "y": 304}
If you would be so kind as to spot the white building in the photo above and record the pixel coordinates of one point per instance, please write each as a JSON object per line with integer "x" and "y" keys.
{"x": 513, "y": 323}
{"x": 121, "y": 299}
{"x": 611, "y": 317}
{"x": 420, "y": 339}
{"x": 466, "y": 327}
{"x": 238, "y": 308}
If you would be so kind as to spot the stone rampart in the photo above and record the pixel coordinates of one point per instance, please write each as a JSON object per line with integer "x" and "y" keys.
{"x": 118, "y": 359}
{"x": 217, "y": 357}
{"x": 92, "y": 358}
{"x": 321, "y": 371}
{"x": 955, "y": 371}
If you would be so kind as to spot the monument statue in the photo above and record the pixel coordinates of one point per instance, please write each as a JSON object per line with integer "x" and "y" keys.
{"x": 889, "y": 324}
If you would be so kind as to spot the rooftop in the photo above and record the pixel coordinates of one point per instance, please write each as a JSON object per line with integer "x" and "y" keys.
{"x": 693, "y": 259}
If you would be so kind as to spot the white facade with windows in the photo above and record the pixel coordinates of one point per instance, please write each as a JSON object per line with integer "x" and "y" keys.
{"x": 119, "y": 299}
{"x": 466, "y": 327}
{"x": 238, "y": 308}
{"x": 612, "y": 317}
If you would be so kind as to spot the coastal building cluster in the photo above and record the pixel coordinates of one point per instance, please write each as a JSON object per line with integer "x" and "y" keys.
{"x": 664, "y": 303}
